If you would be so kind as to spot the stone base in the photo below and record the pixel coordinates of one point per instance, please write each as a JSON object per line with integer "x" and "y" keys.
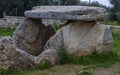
{"x": 82, "y": 38}
{"x": 12, "y": 57}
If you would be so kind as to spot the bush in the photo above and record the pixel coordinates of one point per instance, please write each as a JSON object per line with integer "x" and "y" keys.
{"x": 17, "y": 23}
{"x": 85, "y": 73}
{"x": 43, "y": 65}
{"x": 11, "y": 72}
{"x": 64, "y": 56}
{"x": 57, "y": 27}
{"x": 6, "y": 32}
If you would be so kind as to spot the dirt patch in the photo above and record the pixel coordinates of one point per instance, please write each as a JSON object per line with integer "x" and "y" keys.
{"x": 75, "y": 69}
{"x": 113, "y": 70}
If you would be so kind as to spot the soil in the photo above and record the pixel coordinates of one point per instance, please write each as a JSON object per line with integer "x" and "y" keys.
{"x": 76, "y": 70}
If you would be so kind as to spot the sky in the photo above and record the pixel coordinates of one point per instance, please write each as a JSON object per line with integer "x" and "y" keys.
{"x": 104, "y": 2}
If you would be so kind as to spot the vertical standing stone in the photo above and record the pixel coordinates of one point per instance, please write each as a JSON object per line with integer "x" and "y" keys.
{"x": 32, "y": 35}
{"x": 82, "y": 38}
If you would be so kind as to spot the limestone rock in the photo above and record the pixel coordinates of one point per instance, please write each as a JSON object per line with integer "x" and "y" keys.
{"x": 115, "y": 29}
{"x": 53, "y": 22}
{"x": 10, "y": 21}
{"x": 83, "y": 13}
{"x": 49, "y": 55}
{"x": 82, "y": 38}
{"x": 12, "y": 57}
{"x": 32, "y": 35}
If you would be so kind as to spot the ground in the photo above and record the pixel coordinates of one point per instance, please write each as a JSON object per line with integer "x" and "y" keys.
{"x": 76, "y": 70}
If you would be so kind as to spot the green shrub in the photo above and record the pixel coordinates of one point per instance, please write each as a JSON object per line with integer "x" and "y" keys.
{"x": 118, "y": 72}
{"x": 57, "y": 27}
{"x": 116, "y": 44}
{"x": 85, "y": 73}
{"x": 17, "y": 23}
{"x": 114, "y": 23}
{"x": 11, "y": 72}
{"x": 6, "y": 32}
{"x": 43, "y": 65}
{"x": 64, "y": 56}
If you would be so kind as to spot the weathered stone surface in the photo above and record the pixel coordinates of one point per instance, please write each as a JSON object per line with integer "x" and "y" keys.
{"x": 10, "y": 21}
{"x": 53, "y": 22}
{"x": 83, "y": 13}
{"x": 32, "y": 35}
{"x": 12, "y": 57}
{"x": 49, "y": 55}
{"x": 82, "y": 38}
{"x": 115, "y": 29}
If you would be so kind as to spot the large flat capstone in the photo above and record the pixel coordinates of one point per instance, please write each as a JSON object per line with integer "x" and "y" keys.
{"x": 83, "y": 13}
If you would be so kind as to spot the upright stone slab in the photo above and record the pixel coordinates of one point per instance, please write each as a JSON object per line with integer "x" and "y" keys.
{"x": 31, "y": 35}
{"x": 82, "y": 38}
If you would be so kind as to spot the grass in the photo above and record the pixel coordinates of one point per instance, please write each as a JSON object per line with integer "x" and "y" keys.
{"x": 44, "y": 65}
{"x": 57, "y": 27}
{"x": 116, "y": 44}
{"x": 114, "y": 23}
{"x": 11, "y": 72}
{"x": 118, "y": 72}
{"x": 85, "y": 73}
{"x": 6, "y": 32}
{"x": 64, "y": 56}
{"x": 98, "y": 60}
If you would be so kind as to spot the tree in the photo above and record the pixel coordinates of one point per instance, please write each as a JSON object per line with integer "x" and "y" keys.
{"x": 115, "y": 10}
{"x": 22, "y": 5}
{"x": 10, "y": 6}
{"x": 64, "y": 2}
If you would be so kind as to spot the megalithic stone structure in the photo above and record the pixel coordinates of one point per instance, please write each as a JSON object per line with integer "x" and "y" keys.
{"x": 35, "y": 42}
{"x": 83, "y": 35}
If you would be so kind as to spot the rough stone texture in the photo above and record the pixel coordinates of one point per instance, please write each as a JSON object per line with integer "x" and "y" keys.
{"x": 115, "y": 29}
{"x": 49, "y": 55}
{"x": 12, "y": 57}
{"x": 10, "y": 21}
{"x": 82, "y": 38}
{"x": 32, "y": 35}
{"x": 53, "y": 22}
{"x": 83, "y": 13}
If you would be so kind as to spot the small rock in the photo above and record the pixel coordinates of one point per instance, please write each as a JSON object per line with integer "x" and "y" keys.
{"x": 115, "y": 29}
{"x": 50, "y": 55}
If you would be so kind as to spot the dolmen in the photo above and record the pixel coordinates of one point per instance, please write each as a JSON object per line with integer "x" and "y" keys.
{"x": 34, "y": 42}
{"x": 82, "y": 34}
